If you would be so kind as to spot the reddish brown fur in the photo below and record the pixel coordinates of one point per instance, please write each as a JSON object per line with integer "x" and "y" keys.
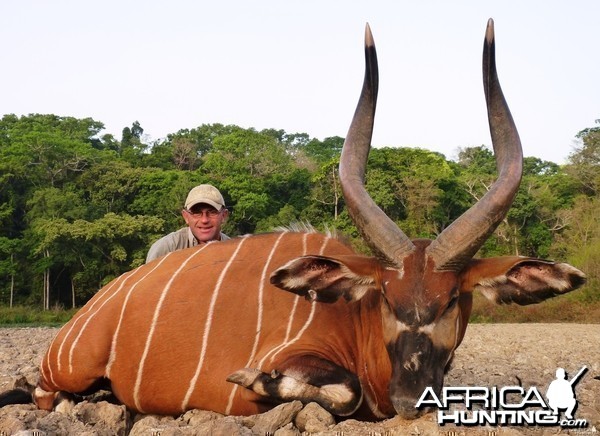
{"x": 168, "y": 334}
{"x": 174, "y": 354}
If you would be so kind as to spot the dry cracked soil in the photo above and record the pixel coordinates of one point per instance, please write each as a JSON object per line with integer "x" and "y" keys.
{"x": 492, "y": 355}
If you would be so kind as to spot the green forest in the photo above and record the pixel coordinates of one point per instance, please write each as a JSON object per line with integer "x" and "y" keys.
{"x": 79, "y": 207}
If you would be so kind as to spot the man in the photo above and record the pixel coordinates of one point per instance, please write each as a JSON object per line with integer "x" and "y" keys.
{"x": 204, "y": 213}
{"x": 561, "y": 393}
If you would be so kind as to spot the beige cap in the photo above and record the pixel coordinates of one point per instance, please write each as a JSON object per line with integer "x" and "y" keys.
{"x": 205, "y": 194}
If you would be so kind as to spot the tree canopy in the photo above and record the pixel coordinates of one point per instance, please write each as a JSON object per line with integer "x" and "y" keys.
{"x": 78, "y": 208}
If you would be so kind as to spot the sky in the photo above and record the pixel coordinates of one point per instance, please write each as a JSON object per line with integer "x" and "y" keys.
{"x": 298, "y": 65}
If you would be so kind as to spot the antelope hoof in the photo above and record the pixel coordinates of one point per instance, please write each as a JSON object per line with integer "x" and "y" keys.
{"x": 64, "y": 403}
{"x": 244, "y": 377}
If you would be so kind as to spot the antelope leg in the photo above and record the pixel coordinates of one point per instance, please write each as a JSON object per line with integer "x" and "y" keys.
{"x": 333, "y": 387}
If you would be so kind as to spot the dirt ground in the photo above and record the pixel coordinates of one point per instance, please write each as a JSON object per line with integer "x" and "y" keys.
{"x": 526, "y": 355}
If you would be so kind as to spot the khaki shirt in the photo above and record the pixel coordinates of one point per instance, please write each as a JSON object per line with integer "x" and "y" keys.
{"x": 182, "y": 238}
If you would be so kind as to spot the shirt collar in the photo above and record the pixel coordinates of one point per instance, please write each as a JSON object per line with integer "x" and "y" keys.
{"x": 192, "y": 241}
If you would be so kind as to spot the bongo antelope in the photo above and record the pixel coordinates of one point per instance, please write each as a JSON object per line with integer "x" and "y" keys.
{"x": 240, "y": 326}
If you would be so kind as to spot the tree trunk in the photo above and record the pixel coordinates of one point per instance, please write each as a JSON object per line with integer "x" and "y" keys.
{"x": 47, "y": 285}
{"x": 12, "y": 280}
{"x": 335, "y": 194}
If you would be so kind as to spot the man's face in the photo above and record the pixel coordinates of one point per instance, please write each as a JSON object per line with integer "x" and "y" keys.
{"x": 205, "y": 221}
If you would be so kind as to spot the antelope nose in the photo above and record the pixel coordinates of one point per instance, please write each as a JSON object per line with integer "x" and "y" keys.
{"x": 405, "y": 408}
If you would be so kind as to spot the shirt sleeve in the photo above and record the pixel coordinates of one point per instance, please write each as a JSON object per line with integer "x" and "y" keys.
{"x": 157, "y": 250}
{"x": 165, "y": 245}
{"x": 182, "y": 238}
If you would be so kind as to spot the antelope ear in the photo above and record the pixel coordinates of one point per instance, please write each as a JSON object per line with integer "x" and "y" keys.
{"x": 326, "y": 279}
{"x": 520, "y": 280}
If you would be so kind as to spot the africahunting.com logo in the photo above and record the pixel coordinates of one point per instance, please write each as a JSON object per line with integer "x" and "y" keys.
{"x": 508, "y": 405}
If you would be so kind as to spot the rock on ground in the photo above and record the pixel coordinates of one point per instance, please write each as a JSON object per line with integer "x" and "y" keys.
{"x": 491, "y": 355}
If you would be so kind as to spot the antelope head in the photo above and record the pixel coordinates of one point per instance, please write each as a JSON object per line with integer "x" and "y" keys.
{"x": 423, "y": 288}
{"x": 426, "y": 285}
